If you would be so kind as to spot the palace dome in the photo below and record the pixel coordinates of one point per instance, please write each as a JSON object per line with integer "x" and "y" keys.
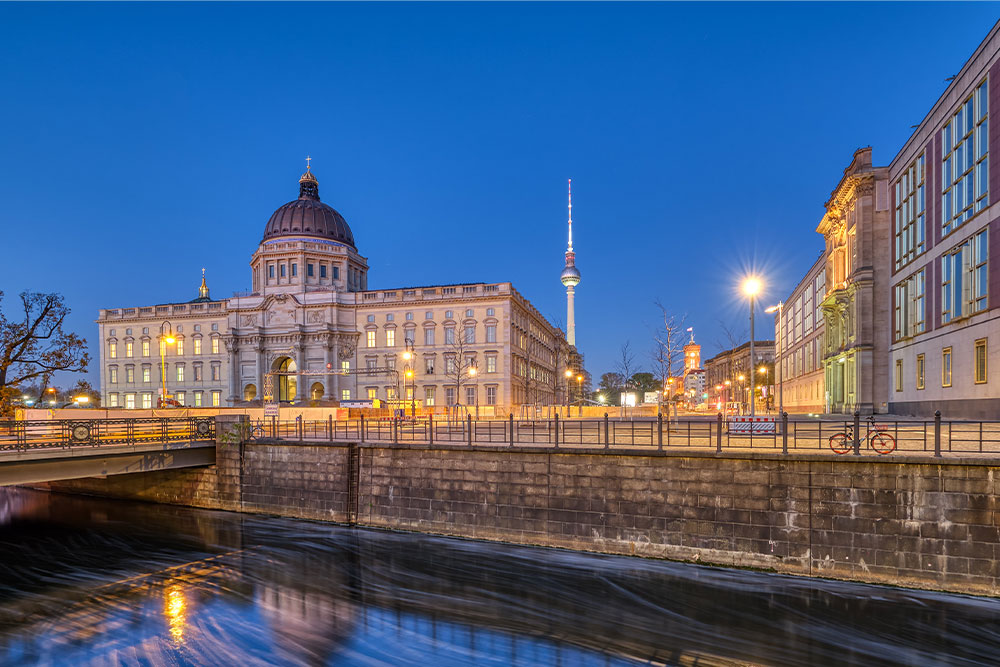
{"x": 308, "y": 216}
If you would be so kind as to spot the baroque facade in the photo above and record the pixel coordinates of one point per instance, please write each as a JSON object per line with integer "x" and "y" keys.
{"x": 798, "y": 333}
{"x": 855, "y": 313}
{"x": 311, "y": 311}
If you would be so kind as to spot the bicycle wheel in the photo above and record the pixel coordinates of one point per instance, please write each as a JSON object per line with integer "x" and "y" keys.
{"x": 840, "y": 443}
{"x": 883, "y": 443}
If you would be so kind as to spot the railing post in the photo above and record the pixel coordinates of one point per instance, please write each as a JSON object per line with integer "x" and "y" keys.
{"x": 857, "y": 433}
{"x": 937, "y": 434}
{"x": 395, "y": 429}
{"x": 718, "y": 434}
{"x": 607, "y": 439}
{"x": 510, "y": 421}
{"x": 659, "y": 430}
{"x": 784, "y": 432}
{"x": 468, "y": 422}
{"x": 555, "y": 428}
{"x": 430, "y": 428}
{"x": 329, "y": 427}
{"x": 274, "y": 428}
{"x": 361, "y": 428}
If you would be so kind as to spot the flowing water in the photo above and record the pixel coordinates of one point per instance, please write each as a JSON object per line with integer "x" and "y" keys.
{"x": 90, "y": 581}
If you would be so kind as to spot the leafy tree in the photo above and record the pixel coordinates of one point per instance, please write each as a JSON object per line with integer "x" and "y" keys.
{"x": 645, "y": 382}
{"x": 33, "y": 345}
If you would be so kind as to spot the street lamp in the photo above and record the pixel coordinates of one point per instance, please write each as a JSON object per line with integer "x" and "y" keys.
{"x": 778, "y": 356}
{"x": 163, "y": 341}
{"x": 579, "y": 383}
{"x": 409, "y": 375}
{"x": 473, "y": 373}
{"x": 751, "y": 287}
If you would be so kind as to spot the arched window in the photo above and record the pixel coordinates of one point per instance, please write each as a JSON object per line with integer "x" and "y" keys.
{"x": 250, "y": 392}
{"x": 287, "y": 384}
{"x": 316, "y": 391}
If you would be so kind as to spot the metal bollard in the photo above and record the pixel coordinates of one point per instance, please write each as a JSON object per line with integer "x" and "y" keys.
{"x": 718, "y": 434}
{"x": 857, "y": 433}
{"x": 607, "y": 440}
{"x": 510, "y": 420}
{"x": 468, "y": 421}
{"x": 659, "y": 430}
{"x": 329, "y": 426}
{"x": 784, "y": 432}
{"x": 555, "y": 428}
{"x": 430, "y": 428}
{"x": 937, "y": 434}
{"x": 361, "y": 428}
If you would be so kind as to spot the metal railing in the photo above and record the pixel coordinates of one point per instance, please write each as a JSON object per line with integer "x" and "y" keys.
{"x": 934, "y": 437}
{"x": 61, "y": 433}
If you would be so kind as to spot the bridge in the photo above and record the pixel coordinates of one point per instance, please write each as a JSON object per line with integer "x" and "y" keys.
{"x": 52, "y": 450}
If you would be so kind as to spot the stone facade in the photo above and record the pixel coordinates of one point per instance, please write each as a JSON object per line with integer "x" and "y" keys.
{"x": 856, "y": 313}
{"x": 726, "y": 368}
{"x": 798, "y": 330}
{"x": 473, "y": 344}
{"x": 944, "y": 282}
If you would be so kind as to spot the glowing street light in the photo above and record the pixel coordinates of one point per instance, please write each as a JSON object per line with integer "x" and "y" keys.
{"x": 751, "y": 287}
{"x": 165, "y": 339}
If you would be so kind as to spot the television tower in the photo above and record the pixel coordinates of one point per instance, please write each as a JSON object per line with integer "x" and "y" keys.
{"x": 571, "y": 275}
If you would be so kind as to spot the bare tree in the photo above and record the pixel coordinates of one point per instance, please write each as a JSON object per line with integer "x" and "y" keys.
{"x": 668, "y": 342}
{"x": 626, "y": 366}
{"x": 458, "y": 361}
{"x": 34, "y": 345}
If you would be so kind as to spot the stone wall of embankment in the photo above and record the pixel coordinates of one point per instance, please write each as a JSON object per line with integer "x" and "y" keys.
{"x": 914, "y": 522}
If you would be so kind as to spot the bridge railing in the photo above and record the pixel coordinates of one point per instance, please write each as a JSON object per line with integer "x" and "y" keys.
{"x": 38, "y": 434}
{"x": 892, "y": 436}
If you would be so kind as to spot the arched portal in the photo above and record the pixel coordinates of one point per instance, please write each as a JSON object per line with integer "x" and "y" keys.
{"x": 316, "y": 391}
{"x": 287, "y": 384}
{"x": 250, "y": 392}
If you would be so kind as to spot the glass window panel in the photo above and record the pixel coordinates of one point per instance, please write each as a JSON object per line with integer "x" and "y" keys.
{"x": 983, "y": 177}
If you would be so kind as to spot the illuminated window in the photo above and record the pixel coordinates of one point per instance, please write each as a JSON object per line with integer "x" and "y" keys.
{"x": 180, "y": 347}
{"x": 491, "y": 363}
{"x": 129, "y": 374}
{"x": 345, "y": 394}
{"x": 216, "y": 399}
{"x": 129, "y": 401}
{"x": 197, "y": 345}
{"x": 128, "y": 349}
{"x": 215, "y": 344}
{"x": 345, "y": 365}
{"x": 163, "y": 347}
{"x": 899, "y": 375}
{"x": 145, "y": 348}
{"x": 180, "y": 372}
{"x": 429, "y": 396}
{"x": 113, "y": 375}
{"x": 965, "y": 279}
{"x": 390, "y": 337}
{"x": 147, "y": 400}
{"x": 179, "y": 397}
{"x": 216, "y": 372}
{"x": 146, "y": 373}
{"x": 370, "y": 338}
{"x": 197, "y": 399}
{"x": 372, "y": 393}
{"x": 909, "y": 306}
{"x": 920, "y": 371}
{"x": 910, "y": 210}
{"x": 112, "y": 400}
{"x": 113, "y": 350}
{"x": 964, "y": 177}
{"x": 946, "y": 367}
{"x": 980, "y": 361}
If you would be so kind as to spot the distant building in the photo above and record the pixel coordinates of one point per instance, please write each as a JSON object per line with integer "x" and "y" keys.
{"x": 729, "y": 366}
{"x": 799, "y": 336}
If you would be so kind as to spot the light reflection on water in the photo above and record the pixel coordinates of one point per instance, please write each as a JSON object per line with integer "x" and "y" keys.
{"x": 88, "y": 581}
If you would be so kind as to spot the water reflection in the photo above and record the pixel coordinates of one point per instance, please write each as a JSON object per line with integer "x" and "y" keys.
{"x": 92, "y": 581}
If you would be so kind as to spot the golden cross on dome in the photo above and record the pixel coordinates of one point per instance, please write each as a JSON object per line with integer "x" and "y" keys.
{"x": 307, "y": 162}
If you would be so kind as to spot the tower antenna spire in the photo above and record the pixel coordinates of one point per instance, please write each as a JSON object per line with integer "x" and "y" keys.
{"x": 569, "y": 197}
{"x": 570, "y": 276}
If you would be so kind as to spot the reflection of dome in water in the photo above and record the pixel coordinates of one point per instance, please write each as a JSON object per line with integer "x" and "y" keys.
{"x": 307, "y": 625}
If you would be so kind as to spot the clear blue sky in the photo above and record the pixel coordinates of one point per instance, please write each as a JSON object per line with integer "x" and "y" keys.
{"x": 141, "y": 142}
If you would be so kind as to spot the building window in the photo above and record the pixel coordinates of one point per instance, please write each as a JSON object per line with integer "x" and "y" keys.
{"x": 468, "y": 313}
{"x": 429, "y": 315}
{"x": 899, "y": 375}
{"x": 920, "y": 371}
{"x": 197, "y": 399}
{"x": 429, "y": 365}
{"x": 449, "y": 396}
{"x": 470, "y": 396}
{"x": 216, "y": 372}
{"x": 336, "y": 276}
{"x": 946, "y": 367}
{"x": 372, "y": 393}
{"x": 282, "y": 275}
{"x": 910, "y": 209}
{"x": 390, "y": 317}
{"x": 449, "y": 335}
{"x": 217, "y": 396}
{"x": 409, "y": 336}
{"x": 371, "y": 365}
{"x": 180, "y": 372}
{"x": 309, "y": 270}
{"x": 390, "y": 337}
{"x": 113, "y": 350}
{"x": 270, "y": 270}
{"x": 145, "y": 348}
{"x": 197, "y": 346}
{"x": 180, "y": 347}
{"x": 964, "y": 177}
{"x": 129, "y": 401}
{"x": 147, "y": 400}
{"x": 146, "y": 374}
{"x": 179, "y": 397}
{"x": 345, "y": 394}
{"x": 215, "y": 326}
{"x": 371, "y": 318}
{"x": 345, "y": 365}
{"x": 409, "y": 317}
{"x": 390, "y": 393}
{"x": 128, "y": 349}
{"x": 113, "y": 375}
{"x": 449, "y": 365}
{"x": 197, "y": 327}
{"x": 470, "y": 335}
{"x": 448, "y": 314}
{"x": 428, "y": 336}
{"x": 129, "y": 374}
{"x": 909, "y": 306}
{"x": 491, "y": 395}
{"x": 980, "y": 361}
{"x": 491, "y": 333}
{"x": 112, "y": 400}
{"x": 197, "y": 372}
{"x": 215, "y": 344}
{"x": 429, "y": 396}
{"x": 491, "y": 363}
{"x": 322, "y": 270}
{"x": 370, "y": 339}
{"x": 490, "y": 312}
{"x": 964, "y": 279}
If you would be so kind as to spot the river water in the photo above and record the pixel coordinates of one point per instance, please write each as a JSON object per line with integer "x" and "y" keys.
{"x": 90, "y": 581}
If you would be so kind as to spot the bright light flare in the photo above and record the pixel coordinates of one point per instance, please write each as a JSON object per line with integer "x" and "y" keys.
{"x": 752, "y": 286}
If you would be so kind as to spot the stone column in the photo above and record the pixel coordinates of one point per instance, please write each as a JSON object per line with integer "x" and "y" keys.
{"x": 302, "y": 381}
{"x": 235, "y": 379}
{"x": 261, "y": 361}
{"x": 331, "y": 382}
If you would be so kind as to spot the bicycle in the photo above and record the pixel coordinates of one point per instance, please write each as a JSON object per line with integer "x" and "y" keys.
{"x": 876, "y": 436}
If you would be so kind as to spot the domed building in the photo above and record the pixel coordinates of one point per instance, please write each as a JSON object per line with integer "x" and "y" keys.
{"x": 311, "y": 332}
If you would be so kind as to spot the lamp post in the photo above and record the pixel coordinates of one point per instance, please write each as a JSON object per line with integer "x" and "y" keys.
{"x": 777, "y": 357}
{"x": 743, "y": 390}
{"x": 763, "y": 371}
{"x": 569, "y": 375}
{"x": 579, "y": 383}
{"x": 474, "y": 373}
{"x": 409, "y": 375}
{"x": 751, "y": 287}
{"x": 163, "y": 341}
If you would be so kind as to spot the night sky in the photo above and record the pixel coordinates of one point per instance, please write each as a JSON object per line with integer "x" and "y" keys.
{"x": 140, "y": 143}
